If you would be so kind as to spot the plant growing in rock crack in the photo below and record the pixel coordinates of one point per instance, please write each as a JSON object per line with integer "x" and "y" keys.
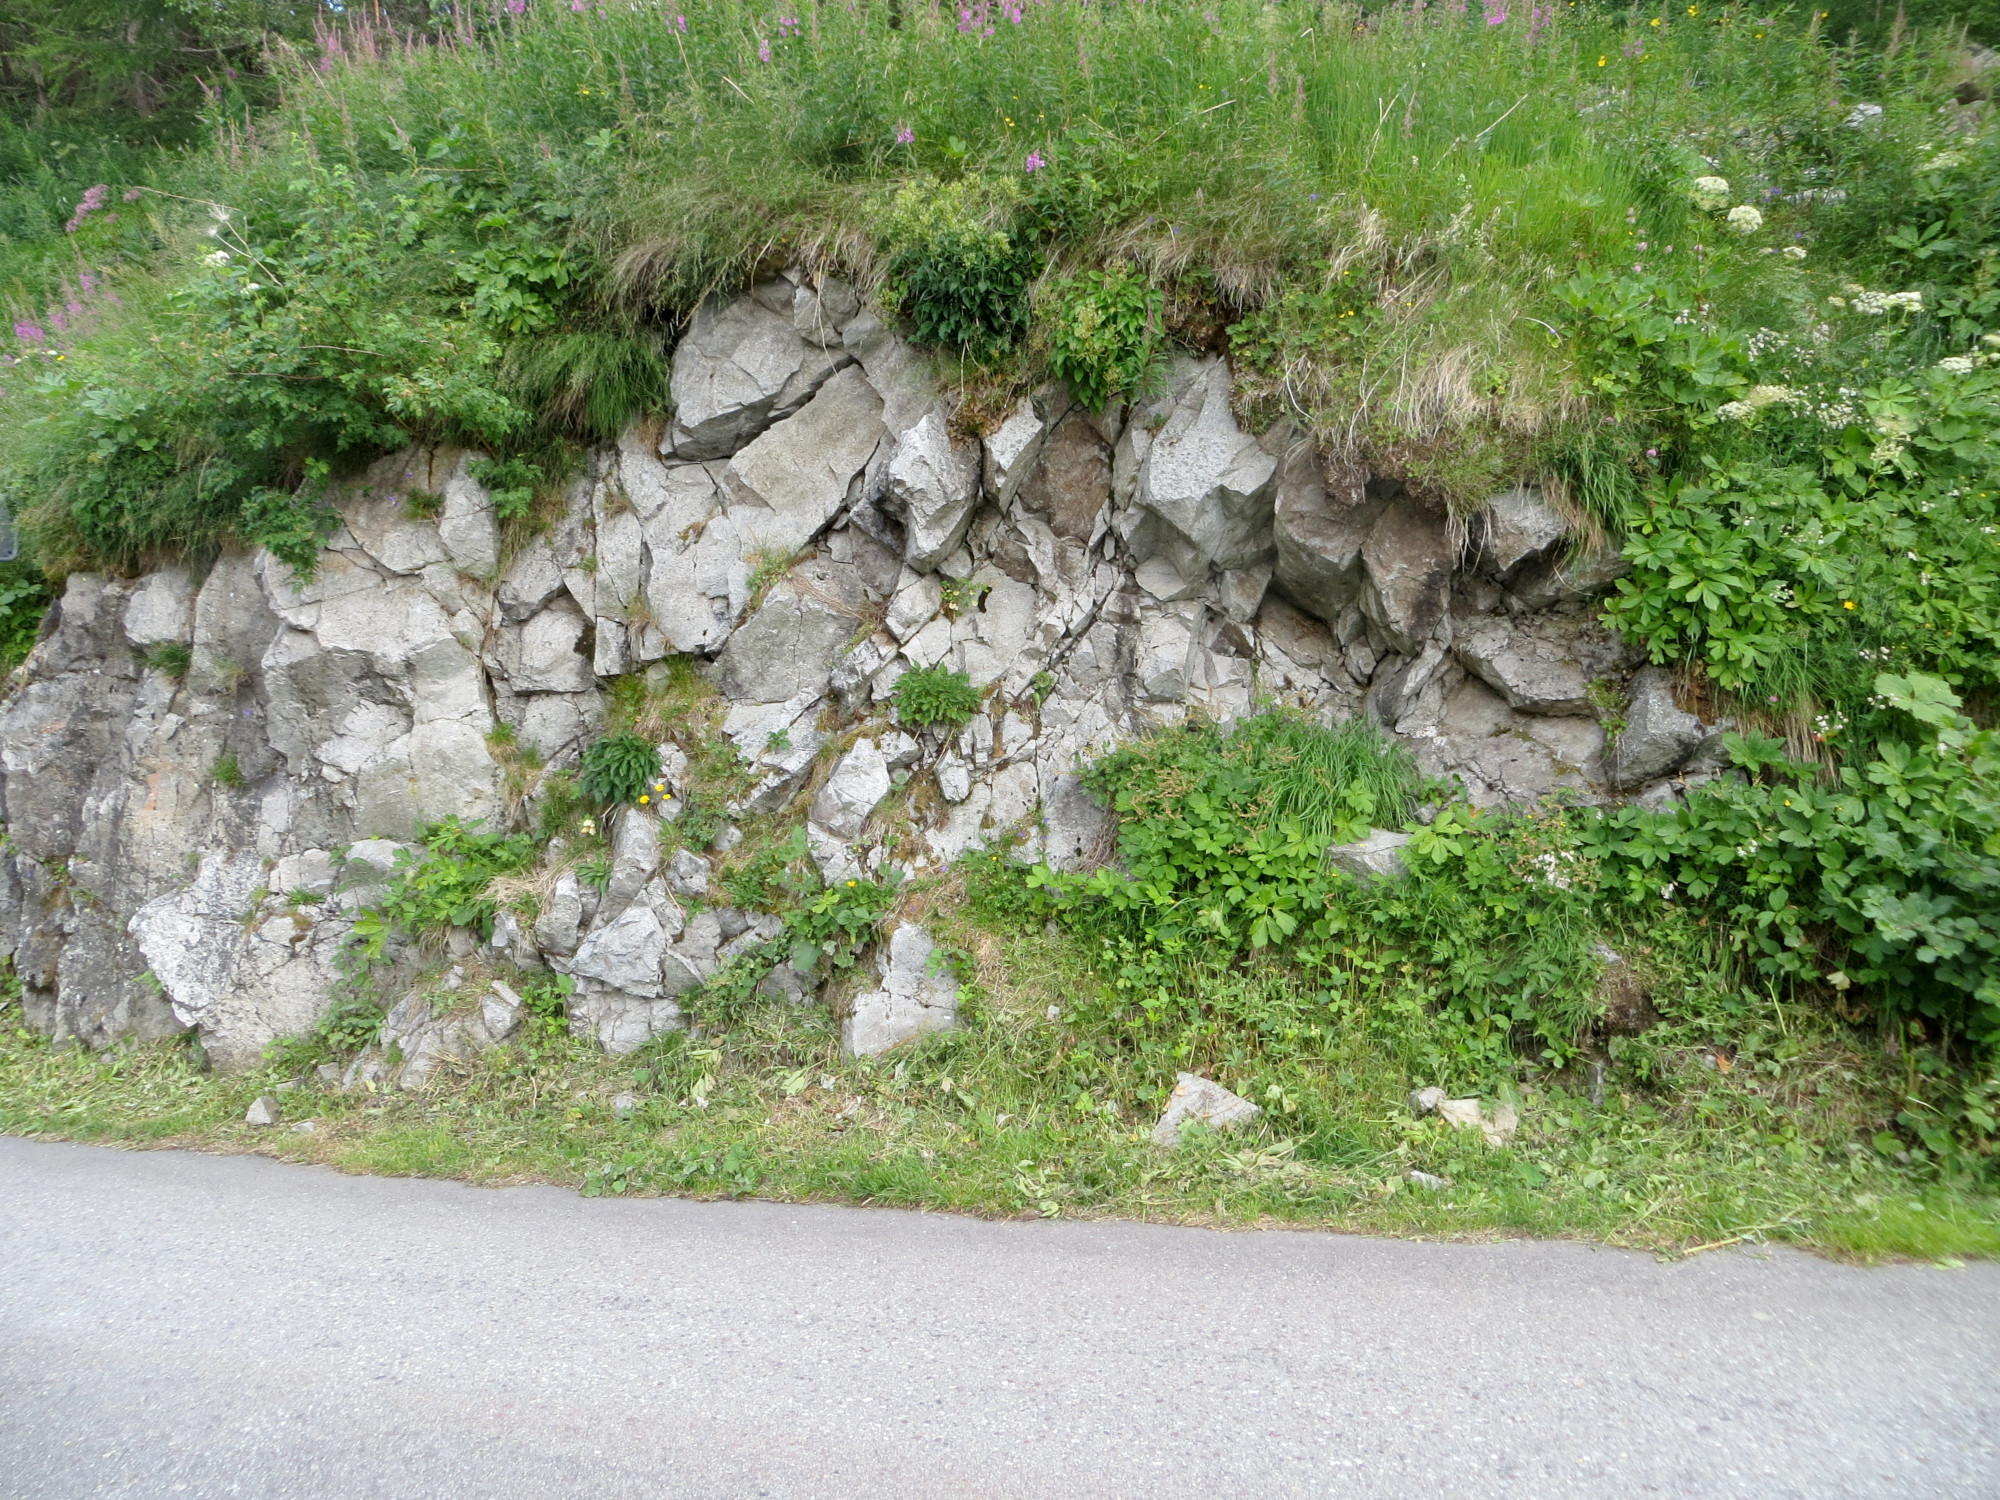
{"x": 226, "y": 772}
{"x": 1108, "y": 335}
{"x": 619, "y": 769}
{"x": 171, "y": 657}
{"x": 935, "y": 695}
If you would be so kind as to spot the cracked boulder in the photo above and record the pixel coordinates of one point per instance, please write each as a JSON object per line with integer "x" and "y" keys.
{"x": 1541, "y": 664}
{"x": 1408, "y": 560}
{"x": 932, "y": 487}
{"x": 1205, "y": 477}
{"x": 739, "y": 368}
{"x": 910, "y": 1001}
{"x": 1658, "y": 736}
{"x": 1516, "y": 530}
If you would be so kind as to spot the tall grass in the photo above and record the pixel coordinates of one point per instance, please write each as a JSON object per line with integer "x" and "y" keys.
{"x": 1445, "y": 166}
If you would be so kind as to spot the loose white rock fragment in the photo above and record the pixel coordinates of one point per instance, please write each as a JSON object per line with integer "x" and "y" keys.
{"x": 264, "y": 1111}
{"x": 1205, "y": 1100}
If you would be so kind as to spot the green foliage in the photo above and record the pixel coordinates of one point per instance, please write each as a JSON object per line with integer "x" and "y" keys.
{"x": 1898, "y": 860}
{"x": 839, "y": 922}
{"x": 226, "y": 773}
{"x": 511, "y": 481}
{"x": 447, "y": 886}
{"x": 935, "y": 695}
{"x": 1106, "y": 335}
{"x": 619, "y": 769}
{"x": 172, "y": 657}
{"x": 25, "y": 597}
{"x": 962, "y": 283}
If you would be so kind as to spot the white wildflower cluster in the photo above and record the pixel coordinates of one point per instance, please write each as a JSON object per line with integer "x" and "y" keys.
{"x": 1827, "y": 725}
{"x": 1958, "y": 364}
{"x": 1744, "y": 219}
{"x": 1667, "y": 890}
{"x": 1944, "y": 161}
{"x": 1888, "y": 450}
{"x": 216, "y": 258}
{"x": 1875, "y": 304}
{"x": 1842, "y": 411}
{"x": 1710, "y": 192}
{"x": 1793, "y": 252}
{"x": 1757, "y": 398}
{"x": 1554, "y": 867}
{"x": 1874, "y": 653}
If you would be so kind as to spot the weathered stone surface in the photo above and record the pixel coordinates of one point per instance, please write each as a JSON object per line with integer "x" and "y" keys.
{"x": 1518, "y": 528}
{"x": 1012, "y": 449}
{"x": 793, "y": 479}
{"x": 1567, "y": 580}
{"x": 161, "y": 609}
{"x": 857, "y": 784}
{"x": 822, "y": 306}
{"x": 910, "y": 1001}
{"x": 625, "y": 955}
{"x": 264, "y": 1111}
{"x": 244, "y": 984}
{"x": 467, "y": 525}
{"x": 1377, "y": 857}
{"x": 788, "y": 648}
{"x": 635, "y": 857}
{"x": 932, "y": 487}
{"x": 1206, "y": 477}
{"x": 1070, "y": 482}
{"x": 1408, "y": 561}
{"x": 1319, "y": 535}
{"x": 1658, "y": 735}
{"x": 739, "y": 368}
{"x": 1203, "y": 1100}
{"x": 1542, "y": 664}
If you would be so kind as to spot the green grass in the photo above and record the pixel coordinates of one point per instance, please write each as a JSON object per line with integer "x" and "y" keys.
{"x": 1017, "y": 1114}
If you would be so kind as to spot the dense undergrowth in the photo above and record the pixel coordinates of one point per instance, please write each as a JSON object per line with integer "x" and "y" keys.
{"x": 1723, "y": 282}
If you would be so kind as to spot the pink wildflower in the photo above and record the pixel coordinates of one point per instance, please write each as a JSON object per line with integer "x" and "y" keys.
{"x": 763, "y": 52}
{"x": 904, "y": 135}
{"x": 1035, "y": 162}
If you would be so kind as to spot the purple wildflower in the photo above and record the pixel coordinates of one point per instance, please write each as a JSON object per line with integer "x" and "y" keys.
{"x": 133, "y": 195}
{"x": 1035, "y": 163}
{"x": 763, "y": 52}
{"x": 1496, "y": 12}
{"x": 516, "y": 7}
{"x": 30, "y": 333}
{"x": 904, "y": 135}
{"x": 92, "y": 200}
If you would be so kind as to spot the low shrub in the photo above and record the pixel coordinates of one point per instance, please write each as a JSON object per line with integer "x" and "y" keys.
{"x": 619, "y": 769}
{"x": 1107, "y": 335}
{"x": 935, "y": 695}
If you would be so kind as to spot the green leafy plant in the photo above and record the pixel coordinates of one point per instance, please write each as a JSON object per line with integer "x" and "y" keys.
{"x": 619, "y": 769}
{"x": 935, "y": 695}
{"x": 226, "y": 772}
{"x": 1107, "y": 335}
{"x": 511, "y": 481}
{"x": 448, "y": 886}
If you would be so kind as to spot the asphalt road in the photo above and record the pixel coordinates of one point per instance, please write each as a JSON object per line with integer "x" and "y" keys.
{"x": 222, "y": 1326}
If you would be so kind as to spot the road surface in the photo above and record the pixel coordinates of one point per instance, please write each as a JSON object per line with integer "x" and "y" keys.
{"x": 173, "y": 1324}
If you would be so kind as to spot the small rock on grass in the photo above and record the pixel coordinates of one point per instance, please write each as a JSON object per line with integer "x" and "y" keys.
{"x": 1205, "y": 1100}
{"x": 1497, "y": 1126}
{"x": 1426, "y": 1180}
{"x": 264, "y": 1112}
{"x": 625, "y": 1105}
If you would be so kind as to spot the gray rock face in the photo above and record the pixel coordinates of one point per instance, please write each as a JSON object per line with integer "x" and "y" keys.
{"x": 932, "y": 487}
{"x": 1319, "y": 537}
{"x": 1408, "y": 558}
{"x": 1207, "y": 478}
{"x": 858, "y": 783}
{"x": 1203, "y": 1100}
{"x": 740, "y": 367}
{"x": 1106, "y": 577}
{"x": 910, "y": 1002}
{"x": 1542, "y": 664}
{"x": 1516, "y": 529}
{"x": 1658, "y": 735}
{"x": 793, "y": 479}
{"x": 1377, "y": 857}
{"x": 787, "y": 648}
